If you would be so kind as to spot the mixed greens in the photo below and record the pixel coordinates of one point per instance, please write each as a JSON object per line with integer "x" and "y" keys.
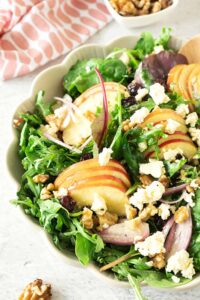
{"x": 111, "y": 170}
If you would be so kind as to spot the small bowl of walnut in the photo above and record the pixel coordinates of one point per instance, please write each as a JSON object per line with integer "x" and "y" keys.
{"x": 139, "y": 13}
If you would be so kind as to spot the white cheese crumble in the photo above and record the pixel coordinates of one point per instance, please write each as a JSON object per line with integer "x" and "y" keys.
{"x": 171, "y": 126}
{"x": 98, "y": 204}
{"x": 152, "y": 245}
{"x": 155, "y": 191}
{"x": 192, "y": 119}
{"x": 150, "y": 194}
{"x": 188, "y": 197}
{"x": 194, "y": 184}
{"x": 139, "y": 116}
{"x": 158, "y": 49}
{"x": 171, "y": 154}
{"x": 141, "y": 94}
{"x": 157, "y": 92}
{"x": 181, "y": 262}
{"x": 154, "y": 168}
{"x": 105, "y": 156}
{"x": 142, "y": 146}
{"x": 195, "y": 134}
{"x": 164, "y": 211}
{"x": 175, "y": 279}
{"x": 183, "y": 110}
{"x": 60, "y": 193}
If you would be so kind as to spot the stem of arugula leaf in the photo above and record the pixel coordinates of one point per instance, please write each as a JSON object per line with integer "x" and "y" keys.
{"x": 117, "y": 261}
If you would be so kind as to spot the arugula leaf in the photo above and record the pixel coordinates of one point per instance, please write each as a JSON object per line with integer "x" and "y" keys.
{"x": 173, "y": 167}
{"x": 164, "y": 38}
{"x": 82, "y": 75}
{"x": 195, "y": 243}
{"x": 146, "y": 43}
{"x": 137, "y": 288}
{"x": 42, "y": 108}
{"x": 83, "y": 249}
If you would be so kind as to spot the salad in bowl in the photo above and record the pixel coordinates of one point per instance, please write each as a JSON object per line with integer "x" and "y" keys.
{"x": 111, "y": 168}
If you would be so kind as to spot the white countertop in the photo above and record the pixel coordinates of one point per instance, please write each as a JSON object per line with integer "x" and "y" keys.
{"x": 23, "y": 253}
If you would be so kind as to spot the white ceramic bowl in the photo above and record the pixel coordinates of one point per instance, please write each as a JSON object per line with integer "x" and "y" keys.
{"x": 141, "y": 21}
{"x": 50, "y": 80}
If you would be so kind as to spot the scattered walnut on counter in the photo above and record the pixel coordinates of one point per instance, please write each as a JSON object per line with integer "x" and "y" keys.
{"x": 139, "y": 7}
{"x": 36, "y": 290}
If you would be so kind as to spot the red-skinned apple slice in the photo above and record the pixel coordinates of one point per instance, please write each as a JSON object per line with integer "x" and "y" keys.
{"x": 188, "y": 148}
{"x": 174, "y": 75}
{"x": 113, "y": 194}
{"x": 87, "y": 165}
{"x": 124, "y": 234}
{"x": 66, "y": 181}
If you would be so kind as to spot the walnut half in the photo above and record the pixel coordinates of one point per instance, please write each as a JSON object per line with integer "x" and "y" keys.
{"x": 36, "y": 290}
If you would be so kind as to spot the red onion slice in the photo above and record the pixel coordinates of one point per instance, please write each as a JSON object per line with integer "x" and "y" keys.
{"x": 175, "y": 189}
{"x": 179, "y": 237}
{"x": 170, "y": 202}
{"x": 123, "y": 234}
{"x": 60, "y": 143}
{"x": 168, "y": 226}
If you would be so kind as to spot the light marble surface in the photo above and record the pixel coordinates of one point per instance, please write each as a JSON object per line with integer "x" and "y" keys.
{"x": 23, "y": 253}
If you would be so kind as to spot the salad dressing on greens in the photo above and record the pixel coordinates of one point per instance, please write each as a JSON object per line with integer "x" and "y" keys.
{"x": 111, "y": 170}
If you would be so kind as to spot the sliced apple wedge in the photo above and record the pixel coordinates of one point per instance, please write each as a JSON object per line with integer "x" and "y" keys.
{"x": 95, "y": 171}
{"x": 188, "y": 148}
{"x": 174, "y": 75}
{"x": 93, "y": 164}
{"x": 183, "y": 79}
{"x": 113, "y": 195}
{"x": 192, "y": 82}
{"x": 160, "y": 115}
{"x": 90, "y": 100}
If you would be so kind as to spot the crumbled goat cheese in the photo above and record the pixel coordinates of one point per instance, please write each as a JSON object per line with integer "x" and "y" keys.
{"x": 154, "y": 168}
{"x": 171, "y": 154}
{"x": 151, "y": 194}
{"x": 155, "y": 191}
{"x": 195, "y": 134}
{"x": 192, "y": 119}
{"x": 142, "y": 146}
{"x": 157, "y": 92}
{"x": 152, "y": 245}
{"x": 158, "y": 49}
{"x": 171, "y": 126}
{"x": 125, "y": 58}
{"x": 181, "y": 262}
{"x": 188, "y": 197}
{"x": 182, "y": 110}
{"x": 98, "y": 204}
{"x": 139, "y": 116}
{"x": 164, "y": 211}
{"x": 61, "y": 193}
{"x": 175, "y": 279}
{"x": 141, "y": 94}
{"x": 105, "y": 156}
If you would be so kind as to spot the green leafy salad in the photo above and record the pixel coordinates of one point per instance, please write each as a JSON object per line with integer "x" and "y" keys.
{"x": 111, "y": 169}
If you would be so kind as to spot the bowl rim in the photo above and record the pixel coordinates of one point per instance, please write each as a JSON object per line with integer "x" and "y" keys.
{"x": 142, "y": 17}
{"x": 73, "y": 261}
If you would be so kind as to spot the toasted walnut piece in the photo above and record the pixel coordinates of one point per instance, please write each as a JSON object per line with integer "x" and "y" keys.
{"x": 197, "y": 181}
{"x": 131, "y": 212}
{"x": 139, "y": 3}
{"x": 17, "y": 122}
{"x": 40, "y": 178}
{"x": 159, "y": 261}
{"x": 181, "y": 215}
{"x": 165, "y": 3}
{"x": 145, "y": 10}
{"x": 50, "y": 187}
{"x": 45, "y": 194}
{"x": 148, "y": 212}
{"x": 36, "y": 290}
{"x": 146, "y": 180}
{"x": 156, "y": 7}
{"x": 164, "y": 180}
{"x": 106, "y": 220}
{"x": 189, "y": 189}
{"x": 135, "y": 223}
{"x": 87, "y": 219}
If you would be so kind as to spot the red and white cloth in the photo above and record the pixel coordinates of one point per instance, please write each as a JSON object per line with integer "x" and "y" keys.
{"x": 33, "y": 32}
